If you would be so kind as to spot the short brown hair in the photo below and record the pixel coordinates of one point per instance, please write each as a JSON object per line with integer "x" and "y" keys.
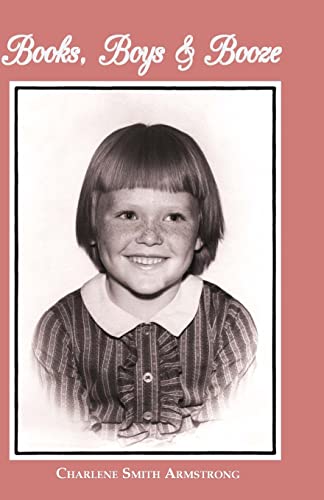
{"x": 157, "y": 157}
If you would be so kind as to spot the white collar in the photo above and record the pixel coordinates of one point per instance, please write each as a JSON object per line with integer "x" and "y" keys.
{"x": 175, "y": 317}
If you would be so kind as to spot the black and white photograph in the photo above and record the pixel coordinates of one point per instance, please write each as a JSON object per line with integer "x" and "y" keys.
{"x": 145, "y": 269}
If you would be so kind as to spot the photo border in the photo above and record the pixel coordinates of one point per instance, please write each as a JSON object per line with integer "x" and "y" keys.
{"x": 275, "y": 89}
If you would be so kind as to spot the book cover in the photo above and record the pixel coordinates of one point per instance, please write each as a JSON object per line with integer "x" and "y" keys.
{"x": 239, "y": 79}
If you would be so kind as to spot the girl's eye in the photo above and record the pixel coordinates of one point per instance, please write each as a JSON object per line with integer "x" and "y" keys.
{"x": 128, "y": 215}
{"x": 176, "y": 217}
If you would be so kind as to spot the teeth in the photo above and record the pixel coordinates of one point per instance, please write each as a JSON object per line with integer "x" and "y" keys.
{"x": 147, "y": 261}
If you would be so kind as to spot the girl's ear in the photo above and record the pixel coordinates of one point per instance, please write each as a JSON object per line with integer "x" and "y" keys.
{"x": 199, "y": 244}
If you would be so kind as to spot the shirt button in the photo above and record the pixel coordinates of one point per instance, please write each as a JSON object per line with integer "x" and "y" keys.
{"x": 147, "y": 328}
{"x": 147, "y": 415}
{"x": 96, "y": 427}
{"x": 147, "y": 377}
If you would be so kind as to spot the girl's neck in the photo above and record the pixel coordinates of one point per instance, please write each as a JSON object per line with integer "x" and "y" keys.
{"x": 142, "y": 307}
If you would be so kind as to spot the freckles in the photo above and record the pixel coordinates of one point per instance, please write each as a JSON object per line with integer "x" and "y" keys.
{"x": 184, "y": 233}
{"x": 117, "y": 233}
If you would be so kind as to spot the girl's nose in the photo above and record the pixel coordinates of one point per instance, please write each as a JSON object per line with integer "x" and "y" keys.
{"x": 150, "y": 236}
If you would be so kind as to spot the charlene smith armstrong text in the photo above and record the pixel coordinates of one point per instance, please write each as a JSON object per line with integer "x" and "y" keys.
{"x": 128, "y": 473}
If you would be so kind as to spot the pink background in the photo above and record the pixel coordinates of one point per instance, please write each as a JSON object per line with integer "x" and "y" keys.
{"x": 297, "y": 29}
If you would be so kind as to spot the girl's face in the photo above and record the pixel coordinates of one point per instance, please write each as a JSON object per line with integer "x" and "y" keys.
{"x": 146, "y": 239}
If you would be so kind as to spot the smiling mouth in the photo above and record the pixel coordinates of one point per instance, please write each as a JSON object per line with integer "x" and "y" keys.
{"x": 146, "y": 261}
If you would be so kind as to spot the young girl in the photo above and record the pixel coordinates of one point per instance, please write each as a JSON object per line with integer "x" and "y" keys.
{"x": 146, "y": 348}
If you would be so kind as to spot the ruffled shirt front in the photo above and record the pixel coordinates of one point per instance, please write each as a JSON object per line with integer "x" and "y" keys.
{"x": 132, "y": 380}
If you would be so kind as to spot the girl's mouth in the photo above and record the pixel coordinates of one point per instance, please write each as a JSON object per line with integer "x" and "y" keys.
{"x": 146, "y": 261}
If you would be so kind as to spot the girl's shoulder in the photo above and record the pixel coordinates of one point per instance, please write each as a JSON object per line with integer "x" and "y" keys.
{"x": 221, "y": 305}
{"x": 63, "y": 311}
{"x": 217, "y": 295}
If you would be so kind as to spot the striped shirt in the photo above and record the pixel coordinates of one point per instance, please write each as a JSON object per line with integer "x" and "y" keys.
{"x": 153, "y": 380}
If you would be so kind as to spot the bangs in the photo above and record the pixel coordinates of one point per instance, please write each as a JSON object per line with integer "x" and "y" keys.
{"x": 154, "y": 157}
